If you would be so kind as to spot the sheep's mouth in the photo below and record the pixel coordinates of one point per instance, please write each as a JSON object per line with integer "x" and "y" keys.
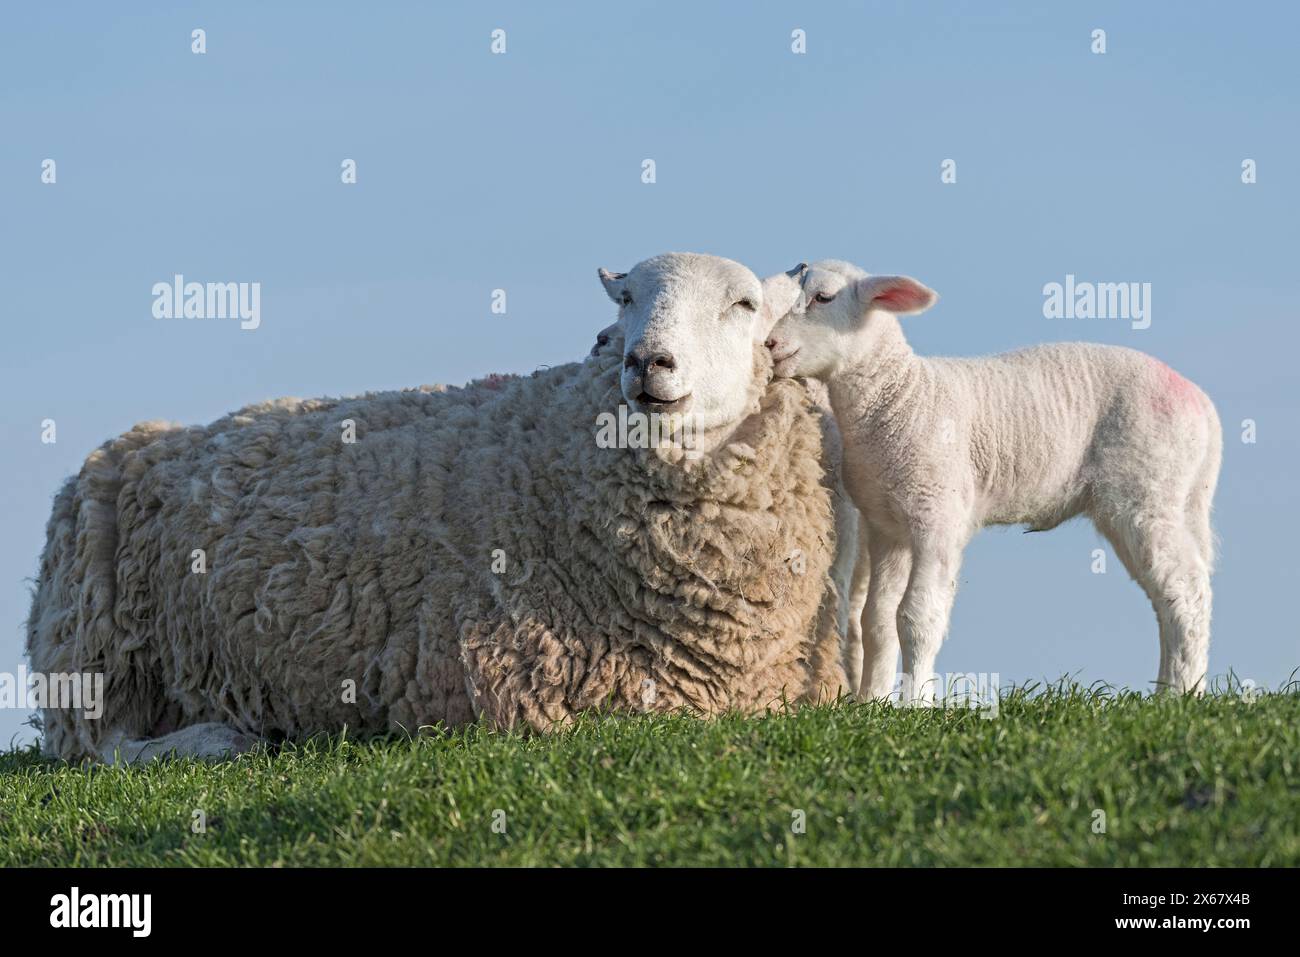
{"x": 785, "y": 364}
{"x": 656, "y": 404}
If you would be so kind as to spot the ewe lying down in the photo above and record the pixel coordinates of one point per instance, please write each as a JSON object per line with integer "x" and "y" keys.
{"x": 935, "y": 449}
{"x": 473, "y": 553}
{"x": 849, "y": 570}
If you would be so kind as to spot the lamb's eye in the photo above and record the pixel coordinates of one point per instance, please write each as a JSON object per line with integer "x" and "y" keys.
{"x": 602, "y": 340}
{"x": 627, "y": 298}
{"x": 822, "y": 297}
{"x": 746, "y": 304}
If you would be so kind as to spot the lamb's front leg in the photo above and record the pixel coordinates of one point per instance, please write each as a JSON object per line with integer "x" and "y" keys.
{"x": 891, "y": 561}
{"x": 924, "y": 614}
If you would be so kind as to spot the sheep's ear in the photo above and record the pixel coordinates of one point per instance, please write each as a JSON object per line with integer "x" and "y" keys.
{"x": 614, "y": 283}
{"x": 901, "y": 295}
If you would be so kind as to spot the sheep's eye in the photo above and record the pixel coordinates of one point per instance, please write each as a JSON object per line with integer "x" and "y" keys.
{"x": 602, "y": 340}
{"x": 746, "y": 304}
{"x": 627, "y": 298}
{"x": 822, "y": 297}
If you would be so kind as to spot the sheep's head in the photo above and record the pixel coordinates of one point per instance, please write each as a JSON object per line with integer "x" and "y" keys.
{"x": 838, "y": 314}
{"x": 690, "y": 323}
{"x": 604, "y": 338}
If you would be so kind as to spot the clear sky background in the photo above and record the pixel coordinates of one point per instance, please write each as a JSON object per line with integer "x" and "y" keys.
{"x": 522, "y": 171}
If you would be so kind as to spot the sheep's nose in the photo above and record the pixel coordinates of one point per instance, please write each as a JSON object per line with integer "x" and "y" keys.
{"x": 662, "y": 361}
{"x": 770, "y": 343}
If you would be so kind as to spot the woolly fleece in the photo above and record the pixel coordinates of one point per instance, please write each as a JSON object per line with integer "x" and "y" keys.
{"x": 634, "y": 580}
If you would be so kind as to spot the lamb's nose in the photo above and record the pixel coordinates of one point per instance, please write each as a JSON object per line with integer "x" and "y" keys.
{"x": 770, "y": 343}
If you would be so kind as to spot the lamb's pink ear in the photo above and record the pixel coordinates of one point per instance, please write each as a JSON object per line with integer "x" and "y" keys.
{"x": 901, "y": 295}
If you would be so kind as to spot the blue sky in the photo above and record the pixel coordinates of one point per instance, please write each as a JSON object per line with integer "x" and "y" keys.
{"x": 522, "y": 171}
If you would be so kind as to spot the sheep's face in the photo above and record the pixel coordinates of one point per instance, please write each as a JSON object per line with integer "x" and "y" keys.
{"x": 689, "y": 326}
{"x": 604, "y": 339}
{"x": 839, "y": 315}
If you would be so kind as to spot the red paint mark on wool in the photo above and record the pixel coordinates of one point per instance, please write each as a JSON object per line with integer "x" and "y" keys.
{"x": 1173, "y": 393}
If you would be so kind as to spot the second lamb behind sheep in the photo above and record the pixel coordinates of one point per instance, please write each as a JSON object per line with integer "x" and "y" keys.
{"x": 935, "y": 449}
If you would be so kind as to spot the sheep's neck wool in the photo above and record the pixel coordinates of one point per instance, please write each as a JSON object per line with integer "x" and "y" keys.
{"x": 402, "y": 559}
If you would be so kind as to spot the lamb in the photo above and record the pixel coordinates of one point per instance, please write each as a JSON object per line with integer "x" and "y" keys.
{"x": 936, "y": 448}
{"x": 470, "y": 554}
{"x": 850, "y": 571}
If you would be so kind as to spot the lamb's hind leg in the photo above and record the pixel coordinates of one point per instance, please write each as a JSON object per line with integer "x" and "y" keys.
{"x": 1189, "y": 646}
{"x": 1162, "y": 552}
{"x": 208, "y": 741}
{"x": 1182, "y": 579}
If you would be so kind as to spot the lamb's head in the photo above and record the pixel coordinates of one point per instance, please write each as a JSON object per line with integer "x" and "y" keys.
{"x": 690, "y": 323}
{"x": 839, "y": 314}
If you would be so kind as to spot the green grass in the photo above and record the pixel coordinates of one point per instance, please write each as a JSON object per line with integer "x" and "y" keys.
{"x": 1182, "y": 781}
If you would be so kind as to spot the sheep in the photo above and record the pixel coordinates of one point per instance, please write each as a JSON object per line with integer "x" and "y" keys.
{"x": 443, "y": 556}
{"x": 849, "y": 571}
{"x": 604, "y": 338}
{"x": 936, "y": 448}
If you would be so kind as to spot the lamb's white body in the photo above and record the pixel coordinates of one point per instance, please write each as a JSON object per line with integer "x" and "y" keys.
{"x": 851, "y": 569}
{"x": 935, "y": 449}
